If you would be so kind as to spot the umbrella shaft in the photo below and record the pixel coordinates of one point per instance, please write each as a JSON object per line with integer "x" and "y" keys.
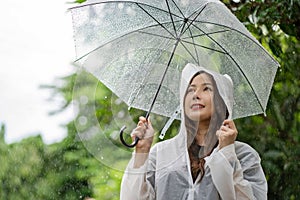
{"x": 168, "y": 65}
{"x": 163, "y": 77}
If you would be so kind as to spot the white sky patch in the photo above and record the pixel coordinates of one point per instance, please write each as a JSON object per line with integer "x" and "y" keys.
{"x": 36, "y": 46}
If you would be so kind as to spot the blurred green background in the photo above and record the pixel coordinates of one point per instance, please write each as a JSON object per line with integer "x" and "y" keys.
{"x": 82, "y": 167}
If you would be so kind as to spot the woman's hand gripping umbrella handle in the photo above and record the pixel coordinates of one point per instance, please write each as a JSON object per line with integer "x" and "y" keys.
{"x": 136, "y": 138}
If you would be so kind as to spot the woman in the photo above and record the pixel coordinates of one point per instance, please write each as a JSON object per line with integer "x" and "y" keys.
{"x": 203, "y": 161}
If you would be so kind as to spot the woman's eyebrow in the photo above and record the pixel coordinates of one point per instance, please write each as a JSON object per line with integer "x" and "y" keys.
{"x": 207, "y": 84}
{"x": 203, "y": 84}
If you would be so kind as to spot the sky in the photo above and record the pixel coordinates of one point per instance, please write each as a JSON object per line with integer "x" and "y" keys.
{"x": 36, "y": 47}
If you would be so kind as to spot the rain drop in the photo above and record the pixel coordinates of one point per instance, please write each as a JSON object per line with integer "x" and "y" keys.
{"x": 118, "y": 101}
{"x": 121, "y": 114}
{"x": 84, "y": 100}
{"x": 130, "y": 11}
{"x": 275, "y": 27}
{"x": 120, "y": 6}
{"x": 82, "y": 120}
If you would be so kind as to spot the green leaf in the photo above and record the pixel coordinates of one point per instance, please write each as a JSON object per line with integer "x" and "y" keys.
{"x": 275, "y": 47}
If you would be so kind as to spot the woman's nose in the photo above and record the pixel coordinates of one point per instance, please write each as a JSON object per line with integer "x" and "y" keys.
{"x": 197, "y": 95}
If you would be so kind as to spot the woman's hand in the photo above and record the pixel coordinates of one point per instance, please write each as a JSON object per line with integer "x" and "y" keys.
{"x": 145, "y": 132}
{"x": 227, "y": 133}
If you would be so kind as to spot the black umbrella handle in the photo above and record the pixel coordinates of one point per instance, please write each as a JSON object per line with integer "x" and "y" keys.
{"x": 136, "y": 140}
{"x": 123, "y": 141}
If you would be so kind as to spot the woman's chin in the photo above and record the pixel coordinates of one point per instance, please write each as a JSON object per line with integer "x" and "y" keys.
{"x": 195, "y": 116}
{"x": 198, "y": 117}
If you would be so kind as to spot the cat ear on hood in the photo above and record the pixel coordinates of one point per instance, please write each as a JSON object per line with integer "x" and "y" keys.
{"x": 229, "y": 78}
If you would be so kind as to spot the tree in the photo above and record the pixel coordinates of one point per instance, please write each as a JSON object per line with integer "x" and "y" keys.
{"x": 276, "y": 25}
{"x": 90, "y": 161}
{"x": 21, "y": 166}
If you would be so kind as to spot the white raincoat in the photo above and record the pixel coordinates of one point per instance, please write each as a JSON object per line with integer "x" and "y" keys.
{"x": 234, "y": 172}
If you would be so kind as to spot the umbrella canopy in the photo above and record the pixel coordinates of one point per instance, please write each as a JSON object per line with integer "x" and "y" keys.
{"x": 137, "y": 48}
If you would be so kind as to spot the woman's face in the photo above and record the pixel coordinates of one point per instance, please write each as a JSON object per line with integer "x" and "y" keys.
{"x": 198, "y": 104}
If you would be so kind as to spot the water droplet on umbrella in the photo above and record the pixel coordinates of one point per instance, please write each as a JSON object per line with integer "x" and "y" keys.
{"x": 82, "y": 120}
{"x": 83, "y": 99}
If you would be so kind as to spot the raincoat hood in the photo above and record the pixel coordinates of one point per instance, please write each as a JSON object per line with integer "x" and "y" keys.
{"x": 225, "y": 89}
{"x": 224, "y": 84}
{"x": 233, "y": 172}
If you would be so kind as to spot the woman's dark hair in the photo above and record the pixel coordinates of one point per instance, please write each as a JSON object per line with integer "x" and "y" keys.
{"x": 219, "y": 115}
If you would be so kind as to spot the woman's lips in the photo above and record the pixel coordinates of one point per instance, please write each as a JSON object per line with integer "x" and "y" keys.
{"x": 197, "y": 106}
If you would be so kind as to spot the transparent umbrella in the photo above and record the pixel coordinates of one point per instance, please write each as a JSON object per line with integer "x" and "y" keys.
{"x": 138, "y": 49}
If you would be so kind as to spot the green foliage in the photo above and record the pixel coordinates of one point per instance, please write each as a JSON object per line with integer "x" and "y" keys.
{"x": 90, "y": 160}
{"x": 276, "y": 25}
{"x": 79, "y": 1}
{"x": 30, "y": 169}
{"x": 21, "y": 167}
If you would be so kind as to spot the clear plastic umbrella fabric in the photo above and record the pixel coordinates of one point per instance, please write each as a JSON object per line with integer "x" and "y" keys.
{"x": 127, "y": 45}
{"x": 131, "y": 46}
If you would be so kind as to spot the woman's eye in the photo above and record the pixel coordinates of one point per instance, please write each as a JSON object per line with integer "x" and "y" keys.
{"x": 207, "y": 89}
{"x": 191, "y": 90}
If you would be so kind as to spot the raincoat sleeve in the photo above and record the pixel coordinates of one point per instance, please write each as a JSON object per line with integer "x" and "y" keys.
{"x": 138, "y": 183}
{"x": 237, "y": 172}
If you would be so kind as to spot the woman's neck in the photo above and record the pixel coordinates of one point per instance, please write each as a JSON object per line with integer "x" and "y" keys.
{"x": 201, "y": 133}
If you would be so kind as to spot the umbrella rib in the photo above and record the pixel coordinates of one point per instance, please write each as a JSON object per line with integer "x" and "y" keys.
{"x": 230, "y": 29}
{"x": 193, "y": 39}
{"x": 193, "y": 43}
{"x": 192, "y": 22}
{"x": 141, "y": 85}
{"x": 107, "y": 2}
{"x": 153, "y": 34}
{"x": 205, "y": 47}
{"x": 95, "y": 3}
{"x": 155, "y": 20}
{"x": 172, "y": 20}
{"x": 139, "y": 5}
{"x": 190, "y": 31}
{"x": 133, "y": 2}
{"x": 166, "y": 69}
{"x": 196, "y": 59}
{"x": 252, "y": 88}
{"x": 178, "y": 8}
{"x": 138, "y": 30}
{"x": 161, "y": 36}
{"x": 162, "y": 79}
{"x": 200, "y": 35}
{"x": 227, "y": 52}
{"x": 233, "y": 29}
{"x": 171, "y": 17}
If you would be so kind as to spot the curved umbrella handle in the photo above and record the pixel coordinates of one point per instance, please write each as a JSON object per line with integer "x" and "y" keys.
{"x": 123, "y": 141}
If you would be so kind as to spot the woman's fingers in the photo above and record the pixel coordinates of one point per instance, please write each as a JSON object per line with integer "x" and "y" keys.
{"x": 227, "y": 133}
{"x": 139, "y": 131}
{"x": 145, "y": 132}
{"x": 144, "y": 128}
{"x": 229, "y": 123}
